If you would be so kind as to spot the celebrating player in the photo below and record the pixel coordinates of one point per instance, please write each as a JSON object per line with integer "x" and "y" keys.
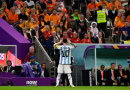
{"x": 65, "y": 61}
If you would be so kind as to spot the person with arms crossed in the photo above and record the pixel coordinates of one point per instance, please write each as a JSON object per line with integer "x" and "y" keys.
{"x": 65, "y": 61}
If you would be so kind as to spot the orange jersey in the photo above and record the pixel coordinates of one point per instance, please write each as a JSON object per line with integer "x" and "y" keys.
{"x": 19, "y": 3}
{"x": 46, "y": 17}
{"x": 116, "y": 6}
{"x": 101, "y": 3}
{"x": 54, "y": 18}
{"x": 92, "y": 6}
{"x": 13, "y": 17}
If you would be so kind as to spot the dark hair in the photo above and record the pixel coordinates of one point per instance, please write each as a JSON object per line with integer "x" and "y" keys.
{"x": 103, "y": 66}
{"x": 119, "y": 65}
{"x": 43, "y": 63}
{"x": 112, "y": 63}
{"x": 9, "y": 61}
{"x": 64, "y": 40}
{"x": 100, "y": 7}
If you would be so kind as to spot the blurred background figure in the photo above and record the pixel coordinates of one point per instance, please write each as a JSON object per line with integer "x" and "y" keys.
{"x": 9, "y": 67}
{"x": 44, "y": 70}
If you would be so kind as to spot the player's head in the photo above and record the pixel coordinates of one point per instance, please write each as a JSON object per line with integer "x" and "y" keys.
{"x": 64, "y": 41}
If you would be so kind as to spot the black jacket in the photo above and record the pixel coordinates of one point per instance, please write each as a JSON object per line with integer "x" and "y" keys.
{"x": 46, "y": 73}
{"x": 11, "y": 69}
{"x": 99, "y": 75}
{"x": 40, "y": 37}
{"x": 109, "y": 75}
{"x": 96, "y": 40}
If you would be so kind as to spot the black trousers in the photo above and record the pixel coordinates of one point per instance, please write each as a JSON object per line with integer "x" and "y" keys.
{"x": 101, "y": 26}
{"x": 101, "y": 81}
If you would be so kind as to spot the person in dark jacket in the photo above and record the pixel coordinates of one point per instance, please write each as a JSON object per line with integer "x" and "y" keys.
{"x": 101, "y": 75}
{"x": 99, "y": 39}
{"x": 122, "y": 77}
{"x": 9, "y": 67}
{"x": 44, "y": 70}
{"x": 111, "y": 75}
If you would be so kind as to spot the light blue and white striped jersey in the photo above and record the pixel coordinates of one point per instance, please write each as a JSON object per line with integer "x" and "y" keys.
{"x": 65, "y": 53}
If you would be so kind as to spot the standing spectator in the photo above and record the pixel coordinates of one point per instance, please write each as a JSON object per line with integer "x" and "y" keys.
{"x": 54, "y": 17}
{"x": 122, "y": 77}
{"x": 101, "y": 75}
{"x": 46, "y": 17}
{"x": 101, "y": 19}
{"x": 44, "y": 71}
{"x": 35, "y": 66}
{"x": 38, "y": 8}
{"x": 37, "y": 33}
{"x": 26, "y": 34}
{"x": 75, "y": 38}
{"x": 13, "y": 16}
{"x": 29, "y": 54}
{"x": 9, "y": 67}
{"x": 86, "y": 39}
{"x": 111, "y": 75}
{"x": 76, "y": 15}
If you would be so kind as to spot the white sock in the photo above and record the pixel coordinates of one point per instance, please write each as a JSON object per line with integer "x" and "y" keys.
{"x": 70, "y": 79}
{"x": 58, "y": 79}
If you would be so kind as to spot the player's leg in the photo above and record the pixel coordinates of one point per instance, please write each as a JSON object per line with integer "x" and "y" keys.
{"x": 60, "y": 71}
{"x": 70, "y": 79}
{"x": 58, "y": 79}
{"x": 67, "y": 70}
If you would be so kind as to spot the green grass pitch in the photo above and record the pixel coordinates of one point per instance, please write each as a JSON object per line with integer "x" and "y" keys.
{"x": 61, "y": 88}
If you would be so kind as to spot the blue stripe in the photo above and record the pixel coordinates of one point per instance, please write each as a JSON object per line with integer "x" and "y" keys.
{"x": 128, "y": 61}
{"x": 69, "y": 56}
{"x": 65, "y": 56}
{"x": 61, "y": 55}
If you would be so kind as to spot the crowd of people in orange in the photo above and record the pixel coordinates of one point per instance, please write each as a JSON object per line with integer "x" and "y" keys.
{"x": 50, "y": 20}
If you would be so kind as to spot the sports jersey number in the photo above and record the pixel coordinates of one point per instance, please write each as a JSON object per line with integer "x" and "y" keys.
{"x": 65, "y": 53}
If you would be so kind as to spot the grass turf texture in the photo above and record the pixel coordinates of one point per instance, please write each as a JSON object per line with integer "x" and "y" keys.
{"x": 61, "y": 88}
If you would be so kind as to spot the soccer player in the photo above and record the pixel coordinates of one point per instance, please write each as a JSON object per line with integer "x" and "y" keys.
{"x": 65, "y": 61}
